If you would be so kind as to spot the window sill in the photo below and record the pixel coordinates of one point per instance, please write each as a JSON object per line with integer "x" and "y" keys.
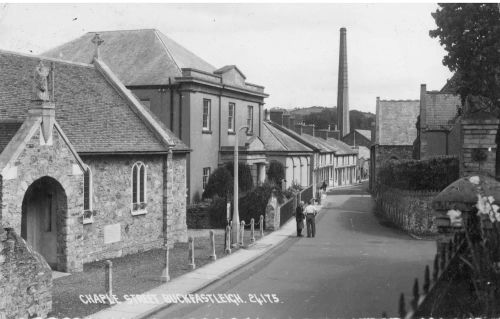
{"x": 231, "y": 133}
{"x": 138, "y": 212}
{"x": 206, "y": 132}
{"x": 88, "y": 217}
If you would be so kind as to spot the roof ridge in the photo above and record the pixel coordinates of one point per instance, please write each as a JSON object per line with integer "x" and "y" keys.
{"x": 166, "y": 49}
{"x": 42, "y": 57}
{"x": 126, "y": 30}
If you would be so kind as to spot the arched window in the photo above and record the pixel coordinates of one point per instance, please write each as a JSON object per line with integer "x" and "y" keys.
{"x": 138, "y": 186}
{"x": 87, "y": 189}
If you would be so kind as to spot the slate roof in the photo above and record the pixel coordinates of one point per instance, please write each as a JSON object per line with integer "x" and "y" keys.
{"x": 92, "y": 113}
{"x": 276, "y": 140}
{"x": 440, "y": 110}
{"x": 137, "y": 57}
{"x": 451, "y": 85}
{"x": 365, "y": 133}
{"x": 395, "y": 122}
{"x": 341, "y": 148}
{"x": 7, "y": 131}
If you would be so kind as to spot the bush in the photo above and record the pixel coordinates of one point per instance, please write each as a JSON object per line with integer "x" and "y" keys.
{"x": 254, "y": 203}
{"x": 431, "y": 174}
{"x": 276, "y": 172}
{"x": 220, "y": 183}
{"x": 245, "y": 180}
{"x": 218, "y": 212}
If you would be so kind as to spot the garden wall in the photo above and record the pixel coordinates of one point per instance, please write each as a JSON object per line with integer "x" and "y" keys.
{"x": 408, "y": 210}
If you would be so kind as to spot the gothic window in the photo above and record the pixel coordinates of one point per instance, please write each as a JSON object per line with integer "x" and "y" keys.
{"x": 87, "y": 189}
{"x": 138, "y": 186}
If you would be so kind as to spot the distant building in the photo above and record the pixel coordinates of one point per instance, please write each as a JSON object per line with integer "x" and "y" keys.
{"x": 358, "y": 137}
{"x": 203, "y": 105}
{"x": 332, "y": 161}
{"x": 394, "y": 134}
{"x": 438, "y": 128}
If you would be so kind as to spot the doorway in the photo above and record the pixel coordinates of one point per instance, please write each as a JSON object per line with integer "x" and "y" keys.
{"x": 44, "y": 210}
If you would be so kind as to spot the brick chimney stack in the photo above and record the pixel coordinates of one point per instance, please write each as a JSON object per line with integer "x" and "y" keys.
{"x": 342, "y": 89}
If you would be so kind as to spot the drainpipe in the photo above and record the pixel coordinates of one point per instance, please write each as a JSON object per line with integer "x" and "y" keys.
{"x": 220, "y": 123}
{"x": 171, "y": 104}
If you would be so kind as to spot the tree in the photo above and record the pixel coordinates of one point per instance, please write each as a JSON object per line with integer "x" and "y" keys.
{"x": 245, "y": 179}
{"x": 276, "y": 172}
{"x": 220, "y": 183}
{"x": 470, "y": 33}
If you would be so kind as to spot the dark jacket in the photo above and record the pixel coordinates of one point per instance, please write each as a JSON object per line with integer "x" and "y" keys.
{"x": 299, "y": 213}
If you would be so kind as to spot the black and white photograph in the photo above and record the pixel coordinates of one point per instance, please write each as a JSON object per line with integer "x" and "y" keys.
{"x": 249, "y": 160}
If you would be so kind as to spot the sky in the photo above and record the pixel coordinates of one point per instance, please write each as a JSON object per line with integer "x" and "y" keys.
{"x": 291, "y": 49}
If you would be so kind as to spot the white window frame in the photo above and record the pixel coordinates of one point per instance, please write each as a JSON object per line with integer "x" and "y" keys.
{"x": 204, "y": 178}
{"x": 136, "y": 206}
{"x": 88, "y": 214}
{"x": 208, "y": 115}
{"x": 231, "y": 118}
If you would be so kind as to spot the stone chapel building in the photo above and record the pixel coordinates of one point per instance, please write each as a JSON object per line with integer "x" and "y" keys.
{"x": 87, "y": 172}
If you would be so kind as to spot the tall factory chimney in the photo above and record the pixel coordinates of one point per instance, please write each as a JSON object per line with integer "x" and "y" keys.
{"x": 342, "y": 90}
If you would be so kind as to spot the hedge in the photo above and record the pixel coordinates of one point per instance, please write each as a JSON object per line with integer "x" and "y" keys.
{"x": 431, "y": 174}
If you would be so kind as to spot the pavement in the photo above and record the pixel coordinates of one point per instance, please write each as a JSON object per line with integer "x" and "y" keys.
{"x": 355, "y": 267}
{"x": 199, "y": 278}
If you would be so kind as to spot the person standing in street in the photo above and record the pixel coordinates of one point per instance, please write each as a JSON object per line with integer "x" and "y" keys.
{"x": 299, "y": 218}
{"x": 310, "y": 211}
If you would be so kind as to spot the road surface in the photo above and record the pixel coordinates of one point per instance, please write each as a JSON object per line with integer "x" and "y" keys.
{"x": 355, "y": 267}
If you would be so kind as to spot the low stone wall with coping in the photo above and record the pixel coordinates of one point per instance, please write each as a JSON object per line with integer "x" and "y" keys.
{"x": 410, "y": 211}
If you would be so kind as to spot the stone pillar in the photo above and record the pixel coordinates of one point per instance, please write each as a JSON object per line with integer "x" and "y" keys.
{"x": 168, "y": 198}
{"x": 273, "y": 213}
{"x": 478, "y": 155}
{"x": 261, "y": 173}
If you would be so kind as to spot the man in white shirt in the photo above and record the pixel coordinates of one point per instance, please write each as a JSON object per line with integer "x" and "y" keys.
{"x": 310, "y": 211}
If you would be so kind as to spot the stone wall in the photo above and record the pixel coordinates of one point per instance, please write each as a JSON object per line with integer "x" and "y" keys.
{"x": 25, "y": 279}
{"x": 112, "y": 203}
{"x": 381, "y": 154}
{"x": 478, "y": 141}
{"x": 410, "y": 211}
{"x": 176, "y": 209}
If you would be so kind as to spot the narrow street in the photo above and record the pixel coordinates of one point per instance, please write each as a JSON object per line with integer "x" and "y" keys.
{"x": 355, "y": 267}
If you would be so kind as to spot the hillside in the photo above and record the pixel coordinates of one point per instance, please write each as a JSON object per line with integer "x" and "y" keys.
{"x": 324, "y": 116}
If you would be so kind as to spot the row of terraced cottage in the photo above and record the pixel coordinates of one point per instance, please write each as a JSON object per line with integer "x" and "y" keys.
{"x": 101, "y": 149}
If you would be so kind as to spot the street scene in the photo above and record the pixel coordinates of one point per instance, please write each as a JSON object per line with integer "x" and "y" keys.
{"x": 249, "y": 160}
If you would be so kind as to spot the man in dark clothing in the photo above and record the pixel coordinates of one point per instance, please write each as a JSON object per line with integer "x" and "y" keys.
{"x": 299, "y": 218}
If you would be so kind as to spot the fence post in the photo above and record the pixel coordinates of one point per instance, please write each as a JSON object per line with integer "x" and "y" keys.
{"x": 213, "y": 256}
{"x": 109, "y": 277}
{"x": 416, "y": 295}
{"x": 165, "y": 274}
{"x": 261, "y": 225}
{"x": 402, "y": 306}
{"x": 191, "y": 252}
{"x": 242, "y": 232}
{"x": 228, "y": 240}
{"x": 252, "y": 230}
{"x": 427, "y": 280}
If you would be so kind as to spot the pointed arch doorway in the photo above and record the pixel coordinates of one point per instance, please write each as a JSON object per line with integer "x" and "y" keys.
{"x": 44, "y": 211}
